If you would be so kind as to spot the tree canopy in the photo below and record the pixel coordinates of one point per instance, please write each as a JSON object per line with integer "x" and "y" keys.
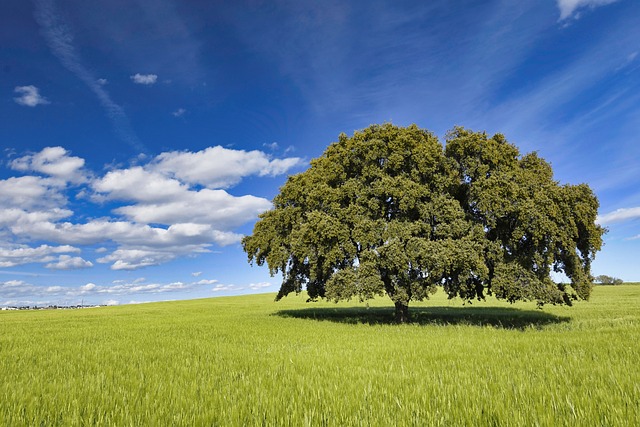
{"x": 603, "y": 279}
{"x": 393, "y": 211}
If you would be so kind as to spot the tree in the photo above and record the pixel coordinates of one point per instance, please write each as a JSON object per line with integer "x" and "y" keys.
{"x": 391, "y": 211}
{"x": 603, "y": 279}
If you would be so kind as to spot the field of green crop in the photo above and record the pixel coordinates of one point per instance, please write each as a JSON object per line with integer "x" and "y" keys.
{"x": 249, "y": 361}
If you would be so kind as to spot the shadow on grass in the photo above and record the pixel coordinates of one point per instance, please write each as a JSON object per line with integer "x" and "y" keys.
{"x": 499, "y": 317}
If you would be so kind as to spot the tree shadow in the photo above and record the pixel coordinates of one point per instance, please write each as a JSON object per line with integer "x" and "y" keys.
{"x": 499, "y": 317}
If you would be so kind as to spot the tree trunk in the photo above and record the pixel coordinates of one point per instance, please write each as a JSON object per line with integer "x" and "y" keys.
{"x": 402, "y": 312}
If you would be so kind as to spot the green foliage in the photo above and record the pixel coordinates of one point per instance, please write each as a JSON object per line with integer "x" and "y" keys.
{"x": 603, "y": 279}
{"x": 243, "y": 361}
{"x": 391, "y": 211}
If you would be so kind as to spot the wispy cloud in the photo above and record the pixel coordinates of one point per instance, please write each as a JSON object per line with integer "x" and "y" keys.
{"x": 179, "y": 112}
{"x": 61, "y": 42}
{"x": 571, "y": 8}
{"x": 144, "y": 79}
{"x": 619, "y": 215}
{"x": 29, "y": 96}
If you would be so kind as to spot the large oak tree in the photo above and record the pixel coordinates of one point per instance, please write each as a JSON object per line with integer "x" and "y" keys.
{"x": 392, "y": 211}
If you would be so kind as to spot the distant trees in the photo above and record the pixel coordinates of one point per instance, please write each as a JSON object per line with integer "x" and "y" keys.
{"x": 392, "y": 211}
{"x": 608, "y": 280}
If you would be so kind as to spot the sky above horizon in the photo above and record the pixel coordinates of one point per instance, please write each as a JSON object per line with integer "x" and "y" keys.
{"x": 140, "y": 139}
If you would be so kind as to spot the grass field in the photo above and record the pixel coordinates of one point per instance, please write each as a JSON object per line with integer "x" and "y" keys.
{"x": 249, "y": 361}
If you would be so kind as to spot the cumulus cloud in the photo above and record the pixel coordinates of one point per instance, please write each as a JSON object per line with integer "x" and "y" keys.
{"x": 221, "y": 288}
{"x": 159, "y": 210}
{"x": 67, "y": 262}
{"x": 30, "y": 192}
{"x": 201, "y": 207}
{"x": 144, "y": 79}
{"x": 569, "y": 8}
{"x": 19, "y": 292}
{"x": 15, "y": 288}
{"x": 122, "y": 232}
{"x": 16, "y": 219}
{"x": 619, "y": 215}
{"x": 53, "y": 161}
{"x": 138, "y": 184}
{"x": 219, "y": 167}
{"x": 133, "y": 259}
{"x": 23, "y": 254}
{"x": 206, "y": 282}
{"x": 29, "y": 96}
{"x": 179, "y": 112}
{"x": 164, "y": 200}
{"x": 258, "y": 286}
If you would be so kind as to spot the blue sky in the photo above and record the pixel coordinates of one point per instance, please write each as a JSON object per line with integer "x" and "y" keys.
{"x": 141, "y": 138}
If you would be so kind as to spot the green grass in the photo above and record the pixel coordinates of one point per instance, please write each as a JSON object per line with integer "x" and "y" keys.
{"x": 249, "y": 361}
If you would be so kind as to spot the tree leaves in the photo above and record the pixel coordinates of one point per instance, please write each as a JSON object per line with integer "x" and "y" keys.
{"x": 391, "y": 210}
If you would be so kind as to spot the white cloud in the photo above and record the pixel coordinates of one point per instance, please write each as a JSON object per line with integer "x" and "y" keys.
{"x": 196, "y": 273}
{"x": 15, "y": 288}
{"x": 140, "y": 245}
{"x": 111, "y": 302}
{"x": 135, "y": 258}
{"x": 164, "y": 200}
{"x": 144, "y": 79}
{"x": 102, "y": 82}
{"x": 53, "y": 161}
{"x": 215, "y": 207}
{"x": 88, "y": 287}
{"x": 569, "y": 8}
{"x": 17, "y": 218}
{"x": 124, "y": 233}
{"x": 67, "y": 262}
{"x": 158, "y": 216}
{"x": 18, "y": 292}
{"x": 126, "y": 288}
{"x": 219, "y": 167}
{"x": 29, "y": 96}
{"x": 258, "y": 286}
{"x": 619, "y": 215}
{"x": 206, "y": 282}
{"x": 22, "y": 254}
{"x": 179, "y": 112}
{"x": 221, "y": 288}
{"x": 30, "y": 192}
{"x": 140, "y": 185}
